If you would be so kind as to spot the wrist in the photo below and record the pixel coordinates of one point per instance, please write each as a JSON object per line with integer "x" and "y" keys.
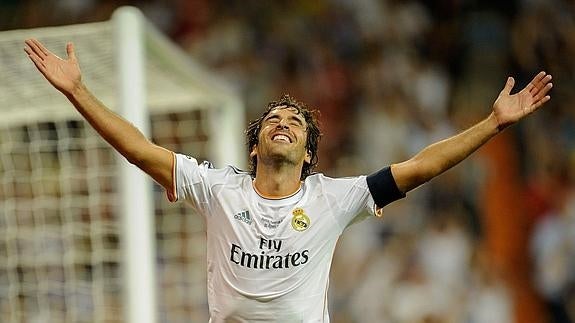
{"x": 76, "y": 91}
{"x": 494, "y": 123}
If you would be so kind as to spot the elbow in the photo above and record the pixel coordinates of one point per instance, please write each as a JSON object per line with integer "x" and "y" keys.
{"x": 417, "y": 173}
{"x": 134, "y": 160}
{"x": 137, "y": 151}
{"x": 429, "y": 171}
{"x": 134, "y": 156}
{"x": 418, "y": 180}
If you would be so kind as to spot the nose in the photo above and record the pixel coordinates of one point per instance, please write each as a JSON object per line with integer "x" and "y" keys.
{"x": 282, "y": 124}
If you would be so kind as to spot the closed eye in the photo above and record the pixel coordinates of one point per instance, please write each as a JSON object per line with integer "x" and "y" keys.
{"x": 272, "y": 119}
{"x": 293, "y": 121}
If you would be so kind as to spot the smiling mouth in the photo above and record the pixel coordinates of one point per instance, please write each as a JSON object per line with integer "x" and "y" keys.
{"x": 281, "y": 138}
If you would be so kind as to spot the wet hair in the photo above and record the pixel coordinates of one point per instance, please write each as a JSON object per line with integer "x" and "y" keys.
{"x": 313, "y": 132}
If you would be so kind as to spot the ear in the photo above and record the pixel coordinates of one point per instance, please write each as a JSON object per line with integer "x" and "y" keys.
{"x": 253, "y": 153}
{"x": 307, "y": 158}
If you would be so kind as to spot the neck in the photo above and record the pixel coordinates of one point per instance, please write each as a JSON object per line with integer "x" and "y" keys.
{"x": 277, "y": 183}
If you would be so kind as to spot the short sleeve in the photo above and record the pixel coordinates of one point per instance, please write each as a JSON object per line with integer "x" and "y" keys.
{"x": 190, "y": 181}
{"x": 349, "y": 198}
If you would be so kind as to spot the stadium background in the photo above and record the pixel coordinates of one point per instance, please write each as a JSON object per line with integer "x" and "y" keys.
{"x": 492, "y": 240}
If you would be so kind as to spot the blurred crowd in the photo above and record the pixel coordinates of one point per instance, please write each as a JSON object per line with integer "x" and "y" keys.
{"x": 492, "y": 240}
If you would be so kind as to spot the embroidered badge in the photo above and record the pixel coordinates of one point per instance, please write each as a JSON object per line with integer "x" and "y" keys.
{"x": 300, "y": 221}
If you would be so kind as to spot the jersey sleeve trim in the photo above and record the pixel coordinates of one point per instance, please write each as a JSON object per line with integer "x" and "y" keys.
{"x": 383, "y": 188}
{"x": 172, "y": 193}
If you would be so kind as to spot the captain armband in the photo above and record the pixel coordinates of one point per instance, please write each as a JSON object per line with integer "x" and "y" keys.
{"x": 383, "y": 188}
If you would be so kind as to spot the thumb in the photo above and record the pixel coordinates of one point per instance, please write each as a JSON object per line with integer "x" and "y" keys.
{"x": 70, "y": 51}
{"x": 508, "y": 85}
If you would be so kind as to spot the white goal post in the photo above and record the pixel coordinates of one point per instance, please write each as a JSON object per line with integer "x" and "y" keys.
{"x": 80, "y": 228}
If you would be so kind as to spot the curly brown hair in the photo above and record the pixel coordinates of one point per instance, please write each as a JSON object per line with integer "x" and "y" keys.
{"x": 313, "y": 132}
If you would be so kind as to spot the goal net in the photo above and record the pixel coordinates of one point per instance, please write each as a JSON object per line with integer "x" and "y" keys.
{"x": 61, "y": 236}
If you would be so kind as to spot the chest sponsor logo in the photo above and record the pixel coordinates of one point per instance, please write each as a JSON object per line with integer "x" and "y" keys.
{"x": 269, "y": 256}
{"x": 243, "y": 216}
{"x": 300, "y": 221}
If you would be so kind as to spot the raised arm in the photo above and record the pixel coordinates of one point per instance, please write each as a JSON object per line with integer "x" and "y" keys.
{"x": 65, "y": 75}
{"x": 440, "y": 156}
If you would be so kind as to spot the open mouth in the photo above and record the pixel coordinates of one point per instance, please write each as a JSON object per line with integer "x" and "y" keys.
{"x": 282, "y": 138}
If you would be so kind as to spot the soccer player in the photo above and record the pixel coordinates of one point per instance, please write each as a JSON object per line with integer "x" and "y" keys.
{"x": 271, "y": 232}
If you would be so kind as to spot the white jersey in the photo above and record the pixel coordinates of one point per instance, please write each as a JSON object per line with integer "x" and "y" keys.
{"x": 268, "y": 259}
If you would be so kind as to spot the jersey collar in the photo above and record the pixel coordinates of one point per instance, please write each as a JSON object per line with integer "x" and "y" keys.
{"x": 286, "y": 200}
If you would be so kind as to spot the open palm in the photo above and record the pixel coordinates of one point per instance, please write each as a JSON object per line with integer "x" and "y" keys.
{"x": 63, "y": 74}
{"x": 509, "y": 108}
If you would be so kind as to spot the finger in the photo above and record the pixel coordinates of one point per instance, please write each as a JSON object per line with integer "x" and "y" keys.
{"x": 539, "y": 95}
{"x": 28, "y": 50}
{"x": 32, "y": 55}
{"x": 71, "y": 52}
{"x": 539, "y": 103}
{"x": 508, "y": 85}
{"x": 34, "y": 47}
{"x": 534, "y": 84}
{"x": 43, "y": 49}
{"x": 39, "y": 63}
{"x": 541, "y": 85}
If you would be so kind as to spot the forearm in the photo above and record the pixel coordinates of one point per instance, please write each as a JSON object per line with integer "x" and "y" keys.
{"x": 441, "y": 156}
{"x": 124, "y": 137}
{"x": 118, "y": 132}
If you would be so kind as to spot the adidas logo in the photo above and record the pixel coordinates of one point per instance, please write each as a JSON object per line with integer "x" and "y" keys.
{"x": 243, "y": 216}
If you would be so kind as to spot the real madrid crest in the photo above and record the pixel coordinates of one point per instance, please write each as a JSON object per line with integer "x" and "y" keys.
{"x": 300, "y": 221}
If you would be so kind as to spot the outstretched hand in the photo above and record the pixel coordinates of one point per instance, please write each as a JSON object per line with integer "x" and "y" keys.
{"x": 63, "y": 74}
{"x": 510, "y": 108}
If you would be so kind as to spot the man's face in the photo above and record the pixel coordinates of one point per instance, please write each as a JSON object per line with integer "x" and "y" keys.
{"x": 282, "y": 137}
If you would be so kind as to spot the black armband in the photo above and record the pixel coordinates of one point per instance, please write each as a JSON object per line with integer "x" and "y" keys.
{"x": 383, "y": 188}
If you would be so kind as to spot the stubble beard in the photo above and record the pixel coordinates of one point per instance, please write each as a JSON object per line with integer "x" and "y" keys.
{"x": 278, "y": 158}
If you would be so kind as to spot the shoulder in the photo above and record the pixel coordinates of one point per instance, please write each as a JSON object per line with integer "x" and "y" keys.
{"x": 328, "y": 183}
{"x": 227, "y": 171}
{"x": 190, "y": 166}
